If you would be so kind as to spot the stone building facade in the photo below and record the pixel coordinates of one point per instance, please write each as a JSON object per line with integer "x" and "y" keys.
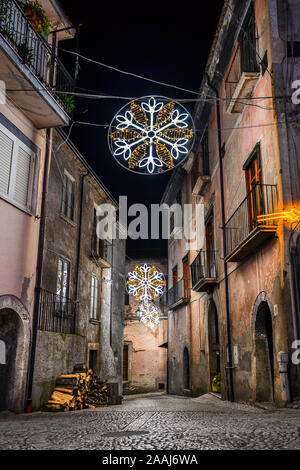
{"x": 81, "y": 299}
{"x": 26, "y": 120}
{"x": 144, "y": 353}
{"x": 233, "y": 315}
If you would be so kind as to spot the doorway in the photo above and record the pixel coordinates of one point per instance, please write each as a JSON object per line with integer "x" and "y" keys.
{"x": 10, "y": 326}
{"x": 93, "y": 353}
{"x": 264, "y": 354}
{"x": 186, "y": 369}
{"x": 213, "y": 346}
{"x": 125, "y": 363}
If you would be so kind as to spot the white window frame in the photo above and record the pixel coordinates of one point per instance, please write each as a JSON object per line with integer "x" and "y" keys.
{"x": 94, "y": 298}
{"x": 72, "y": 179}
{"x": 17, "y": 143}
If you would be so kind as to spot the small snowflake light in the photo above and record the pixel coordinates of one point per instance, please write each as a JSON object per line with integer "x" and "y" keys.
{"x": 146, "y": 283}
{"x": 149, "y": 314}
{"x": 151, "y": 135}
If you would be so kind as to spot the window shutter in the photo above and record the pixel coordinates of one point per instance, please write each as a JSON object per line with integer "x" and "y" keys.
{"x": 6, "y": 150}
{"x": 23, "y": 177}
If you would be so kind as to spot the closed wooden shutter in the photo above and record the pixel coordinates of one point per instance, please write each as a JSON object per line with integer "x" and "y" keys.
{"x": 23, "y": 176}
{"x": 6, "y": 151}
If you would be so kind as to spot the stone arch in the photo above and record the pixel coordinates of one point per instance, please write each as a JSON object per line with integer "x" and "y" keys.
{"x": 15, "y": 333}
{"x": 263, "y": 349}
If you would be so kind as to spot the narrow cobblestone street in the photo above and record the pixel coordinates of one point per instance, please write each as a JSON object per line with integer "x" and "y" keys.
{"x": 156, "y": 422}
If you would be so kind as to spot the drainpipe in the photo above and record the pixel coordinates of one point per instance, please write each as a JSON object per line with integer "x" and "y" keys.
{"x": 229, "y": 367}
{"x": 79, "y": 239}
{"x": 39, "y": 267}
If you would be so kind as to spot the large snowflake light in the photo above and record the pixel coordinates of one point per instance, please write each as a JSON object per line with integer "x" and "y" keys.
{"x": 151, "y": 135}
{"x": 149, "y": 314}
{"x": 146, "y": 283}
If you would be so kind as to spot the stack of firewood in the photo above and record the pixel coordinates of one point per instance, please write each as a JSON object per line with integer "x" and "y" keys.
{"x": 76, "y": 391}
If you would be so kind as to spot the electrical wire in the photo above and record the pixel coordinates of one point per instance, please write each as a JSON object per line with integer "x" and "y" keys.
{"x": 127, "y": 73}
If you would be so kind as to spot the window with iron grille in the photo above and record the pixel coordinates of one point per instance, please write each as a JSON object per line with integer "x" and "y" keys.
{"x": 62, "y": 283}
{"x": 67, "y": 202}
{"x": 16, "y": 170}
{"x": 95, "y": 293}
{"x": 247, "y": 43}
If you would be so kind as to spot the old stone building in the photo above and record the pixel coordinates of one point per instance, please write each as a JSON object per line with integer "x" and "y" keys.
{"x": 81, "y": 299}
{"x": 234, "y": 312}
{"x": 30, "y": 107}
{"x": 144, "y": 353}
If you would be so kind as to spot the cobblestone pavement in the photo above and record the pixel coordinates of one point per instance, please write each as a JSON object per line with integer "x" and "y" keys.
{"x": 157, "y": 422}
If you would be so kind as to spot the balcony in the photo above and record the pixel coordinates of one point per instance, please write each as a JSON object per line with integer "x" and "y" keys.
{"x": 56, "y": 313}
{"x": 102, "y": 252}
{"x": 178, "y": 294}
{"x": 33, "y": 74}
{"x": 244, "y": 233}
{"x": 203, "y": 270}
{"x": 200, "y": 184}
{"x": 241, "y": 78}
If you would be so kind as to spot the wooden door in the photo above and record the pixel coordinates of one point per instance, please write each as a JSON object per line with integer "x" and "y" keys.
{"x": 254, "y": 181}
{"x": 185, "y": 275}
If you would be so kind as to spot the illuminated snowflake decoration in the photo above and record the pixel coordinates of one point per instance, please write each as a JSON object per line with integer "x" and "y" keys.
{"x": 146, "y": 283}
{"x": 149, "y": 314}
{"x": 151, "y": 135}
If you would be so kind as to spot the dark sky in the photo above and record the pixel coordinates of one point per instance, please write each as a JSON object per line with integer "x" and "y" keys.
{"x": 164, "y": 41}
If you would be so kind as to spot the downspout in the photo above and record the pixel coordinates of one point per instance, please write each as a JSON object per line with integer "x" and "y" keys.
{"x": 79, "y": 239}
{"x": 229, "y": 367}
{"x": 39, "y": 268}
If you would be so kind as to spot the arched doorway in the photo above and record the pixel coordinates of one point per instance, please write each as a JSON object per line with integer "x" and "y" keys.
{"x": 10, "y": 326}
{"x": 213, "y": 345}
{"x": 264, "y": 354}
{"x": 186, "y": 369}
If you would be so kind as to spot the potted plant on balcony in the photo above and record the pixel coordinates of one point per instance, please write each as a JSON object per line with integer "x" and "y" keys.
{"x": 36, "y": 15}
{"x": 68, "y": 102}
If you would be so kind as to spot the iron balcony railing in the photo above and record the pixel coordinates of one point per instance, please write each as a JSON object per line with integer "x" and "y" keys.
{"x": 261, "y": 200}
{"x": 245, "y": 60}
{"x": 178, "y": 292}
{"x": 56, "y": 313}
{"x": 33, "y": 50}
{"x": 203, "y": 266}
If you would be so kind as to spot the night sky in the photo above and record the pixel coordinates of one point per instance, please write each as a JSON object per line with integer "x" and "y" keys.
{"x": 168, "y": 44}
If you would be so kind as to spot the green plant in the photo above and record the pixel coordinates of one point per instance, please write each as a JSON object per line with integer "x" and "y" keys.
{"x": 25, "y": 52}
{"x": 44, "y": 29}
{"x": 68, "y": 101}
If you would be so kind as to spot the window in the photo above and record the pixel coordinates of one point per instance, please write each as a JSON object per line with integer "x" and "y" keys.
{"x": 247, "y": 43}
{"x": 101, "y": 248}
{"x": 67, "y": 202}
{"x": 94, "y": 305}
{"x": 16, "y": 170}
{"x": 127, "y": 298}
{"x": 62, "y": 283}
{"x": 254, "y": 181}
